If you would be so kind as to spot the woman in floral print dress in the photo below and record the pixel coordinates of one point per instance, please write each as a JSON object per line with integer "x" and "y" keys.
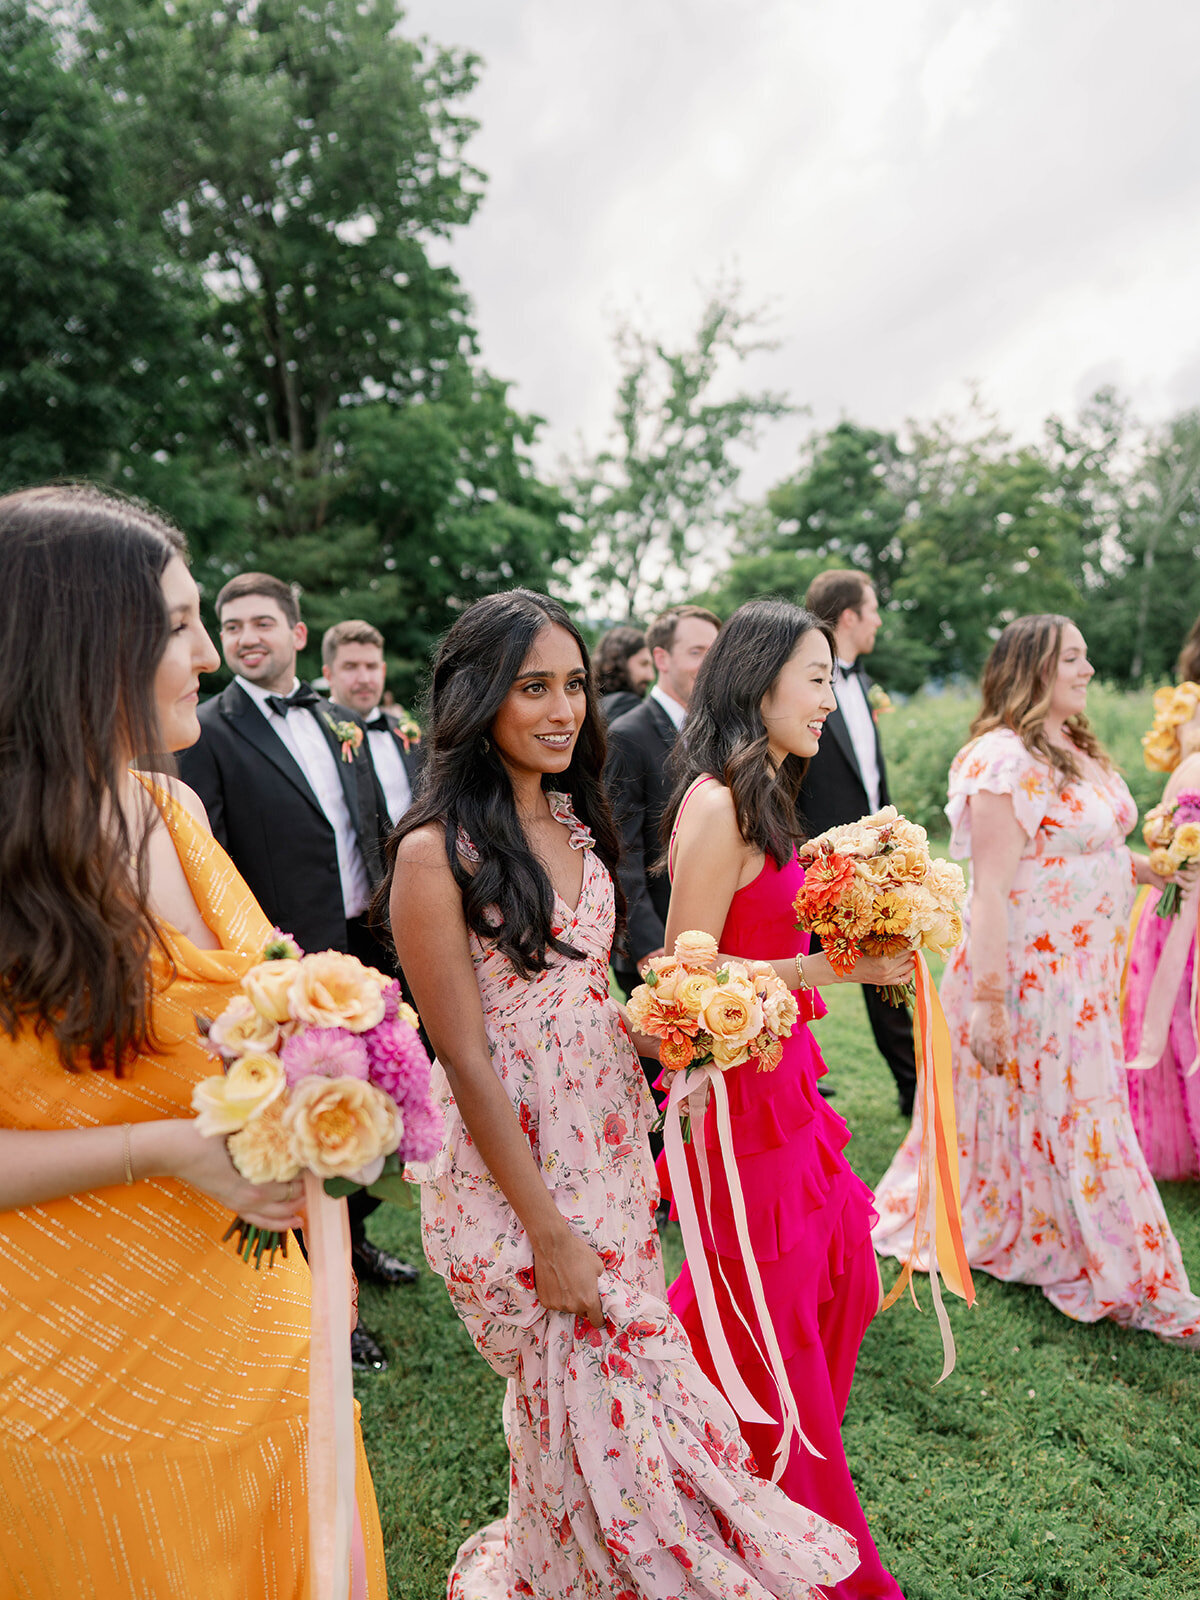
{"x": 629, "y": 1478}
{"x": 1055, "y": 1189}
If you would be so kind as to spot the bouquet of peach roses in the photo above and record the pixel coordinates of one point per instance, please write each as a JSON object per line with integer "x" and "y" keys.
{"x": 705, "y": 1015}
{"x": 871, "y": 888}
{"x": 1172, "y": 830}
{"x": 325, "y": 1072}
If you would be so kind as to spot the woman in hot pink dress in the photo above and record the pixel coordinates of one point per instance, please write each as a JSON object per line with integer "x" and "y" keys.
{"x": 756, "y": 714}
{"x": 1055, "y": 1189}
{"x": 1164, "y": 1099}
{"x": 629, "y": 1479}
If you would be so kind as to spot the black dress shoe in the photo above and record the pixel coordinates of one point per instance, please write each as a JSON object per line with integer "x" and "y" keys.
{"x": 373, "y": 1265}
{"x": 365, "y": 1354}
{"x": 826, "y": 1090}
{"x": 662, "y": 1214}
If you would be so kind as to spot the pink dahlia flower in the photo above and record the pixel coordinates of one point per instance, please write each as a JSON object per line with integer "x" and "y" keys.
{"x": 324, "y": 1053}
{"x": 398, "y": 1063}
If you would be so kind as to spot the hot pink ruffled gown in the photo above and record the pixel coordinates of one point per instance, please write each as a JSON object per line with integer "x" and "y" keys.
{"x": 629, "y": 1478}
{"x": 810, "y": 1223}
{"x": 1163, "y": 1102}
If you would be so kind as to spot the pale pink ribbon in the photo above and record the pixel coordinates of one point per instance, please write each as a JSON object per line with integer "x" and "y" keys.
{"x": 1164, "y": 986}
{"x": 334, "y": 1530}
{"x": 691, "y": 1086}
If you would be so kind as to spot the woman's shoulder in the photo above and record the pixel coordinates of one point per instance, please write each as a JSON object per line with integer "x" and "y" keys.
{"x": 995, "y": 754}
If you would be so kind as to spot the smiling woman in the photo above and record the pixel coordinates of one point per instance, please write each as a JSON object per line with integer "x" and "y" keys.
{"x": 538, "y": 1211}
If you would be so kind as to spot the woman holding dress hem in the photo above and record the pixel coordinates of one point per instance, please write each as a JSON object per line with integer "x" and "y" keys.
{"x": 628, "y": 1477}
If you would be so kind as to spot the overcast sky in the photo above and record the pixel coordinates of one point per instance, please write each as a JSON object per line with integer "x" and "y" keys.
{"x": 926, "y": 193}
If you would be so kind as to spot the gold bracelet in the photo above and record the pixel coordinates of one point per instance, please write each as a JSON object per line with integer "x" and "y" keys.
{"x": 128, "y": 1154}
{"x": 802, "y": 982}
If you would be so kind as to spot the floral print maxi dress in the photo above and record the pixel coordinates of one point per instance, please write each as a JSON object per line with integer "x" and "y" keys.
{"x": 1055, "y": 1189}
{"x": 629, "y": 1478}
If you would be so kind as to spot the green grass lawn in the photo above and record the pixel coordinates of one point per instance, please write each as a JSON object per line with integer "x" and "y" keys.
{"x": 1057, "y": 1460}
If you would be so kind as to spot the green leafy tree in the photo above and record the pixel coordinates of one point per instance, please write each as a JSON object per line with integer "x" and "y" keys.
{"x": 304, "y": 159}
{"x": 659, "y": 504}
{"x": 95, "y": 319}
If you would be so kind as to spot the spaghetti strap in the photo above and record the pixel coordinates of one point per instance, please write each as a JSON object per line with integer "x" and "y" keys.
{"x": 705, "y": 777}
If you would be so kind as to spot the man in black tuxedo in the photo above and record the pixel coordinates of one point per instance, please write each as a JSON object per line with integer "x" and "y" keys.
{"x": 355, "y": 670}
{"x": 639, "y": 743}
{"x": 847, "y": 778}
{"x": 291, "y": 793}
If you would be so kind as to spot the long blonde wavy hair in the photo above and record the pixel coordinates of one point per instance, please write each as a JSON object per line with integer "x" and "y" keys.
{"x": 1017, "y": 687}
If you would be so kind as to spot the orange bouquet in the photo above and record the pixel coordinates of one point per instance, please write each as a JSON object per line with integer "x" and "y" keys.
{"x": 872, "y": 888}
{"x": 710, "y": 1015}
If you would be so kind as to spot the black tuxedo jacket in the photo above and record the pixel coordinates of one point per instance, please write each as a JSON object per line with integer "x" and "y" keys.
{"x": 833, "y": 790}
{"x": 638, "y": 789}
{"x": 265, "y": 814}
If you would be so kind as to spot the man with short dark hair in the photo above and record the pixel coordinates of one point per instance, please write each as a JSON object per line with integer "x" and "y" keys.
{"x": 355, "y": 670}
{"x": 291, "y": 793}
{"x": 847, "y": 778}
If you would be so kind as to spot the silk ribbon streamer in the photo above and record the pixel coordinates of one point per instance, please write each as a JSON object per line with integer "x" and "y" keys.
{"x": 937, "y": 1226}
{"x": 332, "y": 1508}
{"x": 685, "y": 1085}
{"x": 1164, "y": 986}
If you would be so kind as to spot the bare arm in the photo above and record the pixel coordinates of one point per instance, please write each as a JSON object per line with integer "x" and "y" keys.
{"x": 997, "y": 844}
{"x": 713, "y": 861}
{"x": 435, "y": 956}
{"x": 37, "y": 1166}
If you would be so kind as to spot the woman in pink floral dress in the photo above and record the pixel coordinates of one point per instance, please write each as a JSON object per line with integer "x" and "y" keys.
{"x": 1055, "y": 1190}
{"x": 629, "y": 1478}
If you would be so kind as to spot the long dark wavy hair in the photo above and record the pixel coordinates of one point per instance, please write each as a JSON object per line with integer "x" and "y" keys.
{"x": 1017, "y": 687}
{"x": 508, "y": 899}
{"x": 725, "y": 736}
{"x": 83, "y": 626}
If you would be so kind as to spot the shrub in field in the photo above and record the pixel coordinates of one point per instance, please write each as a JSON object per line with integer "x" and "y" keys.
{"x": 922, "y": 736}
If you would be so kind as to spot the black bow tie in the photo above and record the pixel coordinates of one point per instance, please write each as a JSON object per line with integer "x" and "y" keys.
{"x": 303, "y": 696}
{"x": 377, "y": 719}
{"x": 854, "y": 670}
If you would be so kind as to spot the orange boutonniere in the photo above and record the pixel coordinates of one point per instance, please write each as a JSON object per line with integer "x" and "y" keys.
{"x": 348, "y": 734}
{"x": 879, "y": 701}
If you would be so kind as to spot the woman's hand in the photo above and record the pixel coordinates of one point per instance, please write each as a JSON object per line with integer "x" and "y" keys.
{"x": 177, "y": 1150}
{"x": 885, "y": 971}
{"x": 566, "y": 1273}
{"x": 990, "y": 1036}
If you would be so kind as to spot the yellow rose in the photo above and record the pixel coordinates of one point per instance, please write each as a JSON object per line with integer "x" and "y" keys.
{"x": 908, "y": 864}
{"x": 780, "y": 1011}
{"x": 226, "y": 1104}
{"x": 262, "y": 1151}
{"x": 695, "y": 992}
{"x": 240, "y": 1030}
{"x": 406, "y": 1014}
{"x": 728, "y": 1053}
{"x": 1160, "y": 862}
{"x": 910, "y": 834}
{"x": 1186, "y": 843}
{"x": 696, "y": 950}
{"x": 670, "y": 975}
{"x": 333, "y": 990}
{"x": 338, "y": 1125}
{"x": 267, "y": 986}
{"x": 732, "y": 1017}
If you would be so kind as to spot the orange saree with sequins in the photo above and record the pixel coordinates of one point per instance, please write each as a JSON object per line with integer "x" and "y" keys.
{"x": 153, "y": 1388}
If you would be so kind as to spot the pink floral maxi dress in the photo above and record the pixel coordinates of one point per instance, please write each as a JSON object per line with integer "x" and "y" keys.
{"x": 1055, "y": 1189}
{"x": 1163, "y": 1100}
{"x": 629, "y": 1478}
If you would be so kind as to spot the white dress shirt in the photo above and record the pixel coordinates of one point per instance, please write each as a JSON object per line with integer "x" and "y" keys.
{"x": 389, "y": 764}
{"x": 676, "y": 712}
{"x": 313, "y": 755}
{"x": 860, "y": 724}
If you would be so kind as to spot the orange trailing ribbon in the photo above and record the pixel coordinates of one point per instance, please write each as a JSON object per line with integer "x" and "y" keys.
{"x": 688, "y": 1091}
{"x": 1164, "y": 986}
{"x": 333, "y": 1526}
{"x": 937, "y": 1229}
